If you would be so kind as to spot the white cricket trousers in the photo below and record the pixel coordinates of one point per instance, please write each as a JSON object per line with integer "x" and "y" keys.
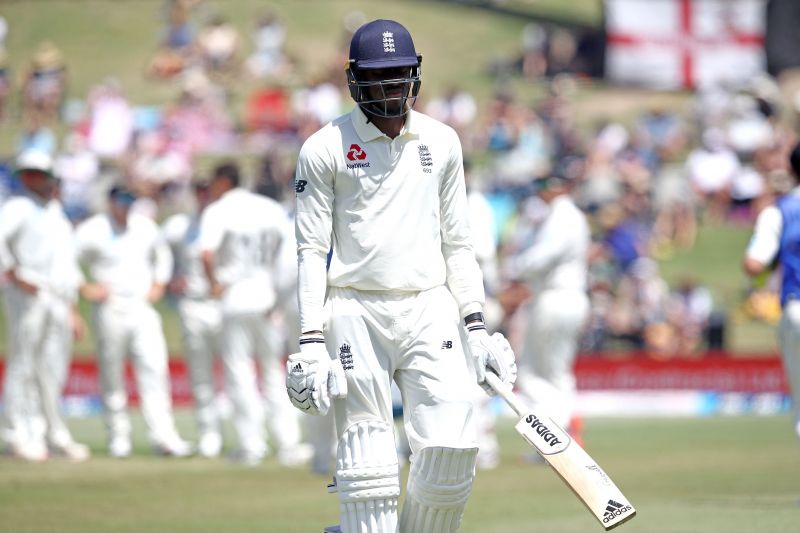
{"x": 789, "y": 339}
{"x": 39, "y": 352}
{"x": 243, "y": 337}
{"x": 555, "y": 322}
{"x": 201, "y": 329}
{"x": 413, "y": 338}
{"x": 129, "y": 326}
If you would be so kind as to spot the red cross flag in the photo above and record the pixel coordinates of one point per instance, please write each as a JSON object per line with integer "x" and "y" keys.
{"x": 672, "y": 44}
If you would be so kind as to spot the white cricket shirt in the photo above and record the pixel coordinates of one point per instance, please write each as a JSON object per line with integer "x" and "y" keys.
{"x": 126, "y": 260}
{"x": 244, "y": 231}
{"x": 182, "y": 231}
{"x": 393, "y": 210}
{"x": 36, "y": 240}
{"x": 557, "y": 258}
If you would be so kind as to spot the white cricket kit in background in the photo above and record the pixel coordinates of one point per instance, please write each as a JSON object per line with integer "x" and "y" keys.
{"x": 394, "y": 211}
{"x": 36, "y": 241}
{"x": 201, "y": 326}
{"x": 128, "y": 261}
{"x": 244, "y": 232}
{"x": 555, "y": 266}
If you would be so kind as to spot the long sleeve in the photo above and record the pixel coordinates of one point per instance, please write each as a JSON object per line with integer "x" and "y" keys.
{"x": 463, "y": 273}
{"x": 162, "y": 260}
{"x": 313, "y": 227}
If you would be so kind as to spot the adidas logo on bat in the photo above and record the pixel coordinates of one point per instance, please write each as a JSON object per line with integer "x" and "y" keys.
{"x": 614, "y": 509}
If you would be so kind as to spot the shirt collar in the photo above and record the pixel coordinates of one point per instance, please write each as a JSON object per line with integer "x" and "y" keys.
{"x": 367, "y": 131}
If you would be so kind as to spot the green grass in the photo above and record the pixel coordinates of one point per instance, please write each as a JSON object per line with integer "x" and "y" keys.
{"x": 720, "y": 474}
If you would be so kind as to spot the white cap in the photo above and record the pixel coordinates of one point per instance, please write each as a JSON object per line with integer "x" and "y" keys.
{"x": 35, "y": 160}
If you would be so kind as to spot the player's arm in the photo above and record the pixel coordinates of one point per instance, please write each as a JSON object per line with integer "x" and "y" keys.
{"x": 162, "y": 266}
{"x": 312, "y": 380}
{"x": 12, "y": 216}
{"x": 212, "y": 232}
{"x": 88, "y": 243}
{"x": 764, "y": 243}
{"x": 465, "y": 279}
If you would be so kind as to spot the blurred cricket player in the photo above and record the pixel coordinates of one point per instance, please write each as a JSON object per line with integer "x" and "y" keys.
{"x": 383, "y": 187}
{"x": 200, "y": 317}
{"x": 776, "y": 241}
{"x": 554, "y": 265}
{"x": 129, "y": 265}
{"x": 38, "y": 258}
{"x": 240, "y": 235}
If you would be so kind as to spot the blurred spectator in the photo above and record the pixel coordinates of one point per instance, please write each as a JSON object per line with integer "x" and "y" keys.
{"x": 111, "y": 120}
{"x": 712, "y": 167}
{"x": 625, "y": 238}
{"x": 456, "y": 108}
{"x": 269, "y": 38}
{"x": 321, "y": 101}
{"x": 269, "y": 110}
{"x": 197, "y": 122}
{"x": 663, "y": 130}
{"x": 155, "y": 165}
{"x": 534, "y": 53}
{"x": 638, "y": 313}
{"x": 219, "y": 45}
{"x": 44, "y": 85}
{"x": 689, "y": 311}
{"x": 78, "y": 168}
{"x": 675, "y": 224}
{"x": 178, "y": 33}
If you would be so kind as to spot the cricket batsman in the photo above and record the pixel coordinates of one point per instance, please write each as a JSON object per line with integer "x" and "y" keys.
{"x": 383, "y": 188}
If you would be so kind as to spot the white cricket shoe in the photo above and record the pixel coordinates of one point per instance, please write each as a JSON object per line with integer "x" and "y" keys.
{"x": 297, "y": 455}
{"x": 209, "y": 445}
{"x": 30, "y": 453}
{"x": 119, "y": 447}
{"x": 173, "y": 446}
{"x": 247, "y": 458}
{"x": 76, "y": 452}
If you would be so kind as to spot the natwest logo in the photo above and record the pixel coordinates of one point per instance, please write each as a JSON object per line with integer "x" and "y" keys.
{"x": 356, "y": 153}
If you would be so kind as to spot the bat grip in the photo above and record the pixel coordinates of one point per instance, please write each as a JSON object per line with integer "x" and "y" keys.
{"x": 506, "y": 393}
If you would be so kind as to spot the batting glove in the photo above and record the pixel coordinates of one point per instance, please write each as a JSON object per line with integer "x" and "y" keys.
{"x": 492, "y": 353}
{"x": 312, "y": 378}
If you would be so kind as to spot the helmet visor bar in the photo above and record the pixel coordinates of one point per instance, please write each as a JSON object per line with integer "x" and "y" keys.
{"x": 391, "y": 97}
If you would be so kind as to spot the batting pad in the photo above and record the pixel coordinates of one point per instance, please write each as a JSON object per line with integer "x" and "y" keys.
{"x": 439, "y": 484}
{"x": 367, "y": 478}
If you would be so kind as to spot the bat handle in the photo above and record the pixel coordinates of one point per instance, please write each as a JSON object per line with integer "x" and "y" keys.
{"x": 506, "y": 393}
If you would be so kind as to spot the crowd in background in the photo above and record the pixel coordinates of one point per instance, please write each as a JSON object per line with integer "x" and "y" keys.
{"x": 646, "y": 184}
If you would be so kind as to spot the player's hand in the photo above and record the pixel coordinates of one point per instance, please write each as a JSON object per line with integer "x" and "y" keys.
{"x": 21, "y": 284}
{"x": 312, "y": 378}
{"x": 156, "y": 292}
{"x": 490, "y": 353}
{"x": 95, "y": 292}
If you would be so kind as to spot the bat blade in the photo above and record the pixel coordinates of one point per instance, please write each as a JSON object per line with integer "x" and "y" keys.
{"x": 576, "y": 468}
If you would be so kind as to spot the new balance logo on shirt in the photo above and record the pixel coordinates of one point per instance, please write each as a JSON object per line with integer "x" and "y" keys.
{"x": 446, "y": 345}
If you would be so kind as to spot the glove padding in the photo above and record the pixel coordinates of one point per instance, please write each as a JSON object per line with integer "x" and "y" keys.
{"x": 313, "y": 379}
{"x": 492, "y": 353}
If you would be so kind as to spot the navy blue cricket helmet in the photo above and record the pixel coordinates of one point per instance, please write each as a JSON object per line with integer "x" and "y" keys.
{"x": 384, "y": 45}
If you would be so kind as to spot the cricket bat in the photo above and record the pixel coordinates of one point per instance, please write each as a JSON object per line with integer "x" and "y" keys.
{"x": 579, "y": 471}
